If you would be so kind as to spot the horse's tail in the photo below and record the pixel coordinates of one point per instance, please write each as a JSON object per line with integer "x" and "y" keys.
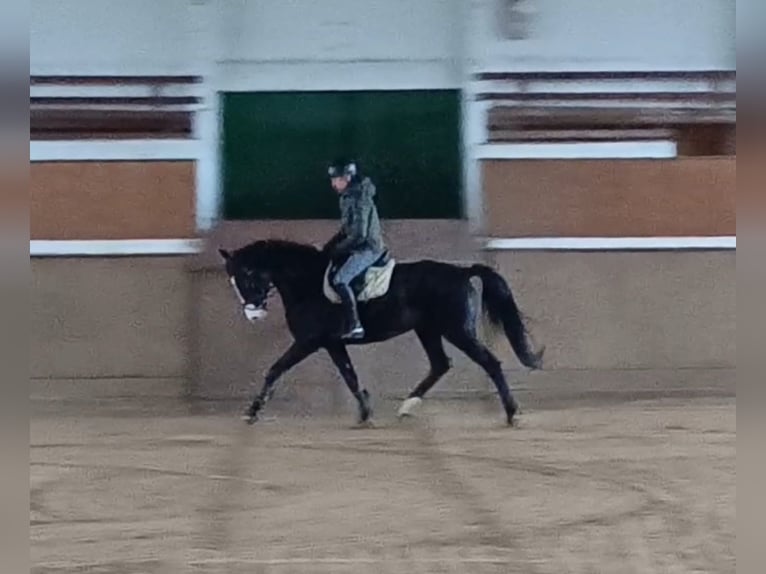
{"x": 501, "y": 309}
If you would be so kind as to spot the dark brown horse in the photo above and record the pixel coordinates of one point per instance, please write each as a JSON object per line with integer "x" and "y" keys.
{"x": 434, "y": 299}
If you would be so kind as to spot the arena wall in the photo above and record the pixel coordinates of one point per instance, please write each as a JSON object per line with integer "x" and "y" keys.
{"x": 627, "y": 310}
{"x": 644, "y": 312}
{"x": 158, "y": 326}
{"x": 112, "y": 324}
{"x": 246, "y": 39}
{"x": 557, "y": 35}
{"x": 98, "y": 200}
{"x": 692, "y": 196}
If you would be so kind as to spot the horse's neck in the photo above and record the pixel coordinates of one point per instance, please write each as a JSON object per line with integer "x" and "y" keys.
{"x": 297, "y": 284}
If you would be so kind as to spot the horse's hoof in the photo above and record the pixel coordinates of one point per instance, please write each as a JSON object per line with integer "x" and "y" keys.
{"x": 409, "y": 406}
{"x": 250, "y": 419}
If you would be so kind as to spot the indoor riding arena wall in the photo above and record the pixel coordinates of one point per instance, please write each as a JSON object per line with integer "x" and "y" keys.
{"x": 110, "y": 325}
{"x": 614, "y": 320}
{"x": 658, "y": 317}
{"x": 112, "y": 200}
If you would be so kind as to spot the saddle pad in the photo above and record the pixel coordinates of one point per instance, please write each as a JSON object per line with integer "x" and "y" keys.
{"x": 376, "y": 282}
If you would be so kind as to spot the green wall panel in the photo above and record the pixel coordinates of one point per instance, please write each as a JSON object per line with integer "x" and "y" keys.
{"x": 276, "y": 146}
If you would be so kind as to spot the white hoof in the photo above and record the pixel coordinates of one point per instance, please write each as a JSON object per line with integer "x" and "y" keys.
{"x": 409, "y": 405}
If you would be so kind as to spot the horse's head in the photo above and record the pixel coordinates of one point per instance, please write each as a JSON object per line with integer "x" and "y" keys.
{"x": 252, "y": 286}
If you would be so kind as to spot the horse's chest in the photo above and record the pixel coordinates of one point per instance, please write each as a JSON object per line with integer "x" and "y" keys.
{"x": 310, "y": 320}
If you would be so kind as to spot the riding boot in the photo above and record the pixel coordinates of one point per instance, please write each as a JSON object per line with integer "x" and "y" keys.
{"x": 352, "y": 328}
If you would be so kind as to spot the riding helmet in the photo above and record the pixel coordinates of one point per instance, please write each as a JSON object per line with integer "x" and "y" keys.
{"x": 343, "y": 167}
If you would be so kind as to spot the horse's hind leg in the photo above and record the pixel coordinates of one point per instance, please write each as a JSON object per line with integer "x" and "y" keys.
{"x": 440, "y": 364}
{"x": 339, "y": 356}
{"x": 477, "y": 352}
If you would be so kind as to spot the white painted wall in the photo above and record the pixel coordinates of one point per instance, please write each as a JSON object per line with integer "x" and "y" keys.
{"x": 340, "y": 30}
{"x": 349, "y": 44}
{"x": 607, "y": 35}
{"x": 114, "y": 37}
{"x": 295, "y": 44}
{"x": 254, "y": 44}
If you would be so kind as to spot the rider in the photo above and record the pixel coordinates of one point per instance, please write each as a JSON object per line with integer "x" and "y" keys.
{"x": 360, "y": 239}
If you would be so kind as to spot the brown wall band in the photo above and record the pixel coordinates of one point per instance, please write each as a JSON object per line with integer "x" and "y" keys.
{"x": 610, "y": 198}
{"x": 112, "y": 200}
{"x": 51, "y": 124}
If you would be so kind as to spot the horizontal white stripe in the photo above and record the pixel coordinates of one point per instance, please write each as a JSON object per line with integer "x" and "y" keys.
{"x": 112, "y": 247}
{"x": 406, "y": 563}
{"x": 106, "y": 247}
{"x": 578, "y": 150}
{"x": 611, "y": 243}
{"x": 302, "y": 75}
{"x": 110, "y": 150}
{"x": 102, "y": 107}
{"x": 349, "y": 561}
{"x": 603, "y": 86}
{"x": 136, "y": 90}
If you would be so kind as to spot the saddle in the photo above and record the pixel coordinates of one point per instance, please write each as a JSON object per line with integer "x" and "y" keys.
{"x": 371, "y": 284}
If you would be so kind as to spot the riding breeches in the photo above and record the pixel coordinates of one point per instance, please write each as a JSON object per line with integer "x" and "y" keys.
{"x": 357, "y": 263}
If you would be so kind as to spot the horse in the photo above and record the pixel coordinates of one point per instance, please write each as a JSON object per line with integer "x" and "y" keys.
{"x": 435, "y": 299}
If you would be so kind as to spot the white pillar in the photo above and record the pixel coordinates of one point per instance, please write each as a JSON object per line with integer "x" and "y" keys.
{"x": 206, "y": 15}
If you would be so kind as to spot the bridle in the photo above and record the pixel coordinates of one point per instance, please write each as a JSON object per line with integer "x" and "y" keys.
{"x": 251, "y": 310}
{"x": 269, "y": 294}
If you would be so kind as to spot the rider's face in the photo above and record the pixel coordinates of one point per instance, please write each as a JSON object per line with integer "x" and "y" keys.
{"x": 339, "y": 184}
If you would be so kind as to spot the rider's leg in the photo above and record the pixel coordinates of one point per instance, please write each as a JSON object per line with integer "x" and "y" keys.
{"x": 352, "y": 327}
{"x": 356, "y": 264}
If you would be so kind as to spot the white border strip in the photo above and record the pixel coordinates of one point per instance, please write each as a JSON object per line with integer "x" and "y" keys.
{"x": 137, "y": 90}
{"x": 114, "y": 247}
{"x": 662, "y": 149}
{"x": 630, "y": 88}
{"x": 114, "y": 150}
{"x": 112, "y": 107}
{"x": 610, "y": 243}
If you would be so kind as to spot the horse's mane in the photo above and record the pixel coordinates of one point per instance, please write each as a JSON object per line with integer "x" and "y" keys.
{"x": 281, "y": 253}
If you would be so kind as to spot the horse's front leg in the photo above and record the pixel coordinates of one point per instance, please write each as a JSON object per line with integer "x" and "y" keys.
{"x": 339, "y": 356}
{"x": 294, "y": 355}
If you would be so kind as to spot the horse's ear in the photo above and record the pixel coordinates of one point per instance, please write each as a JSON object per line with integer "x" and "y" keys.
{"x": 225, "y": 254}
